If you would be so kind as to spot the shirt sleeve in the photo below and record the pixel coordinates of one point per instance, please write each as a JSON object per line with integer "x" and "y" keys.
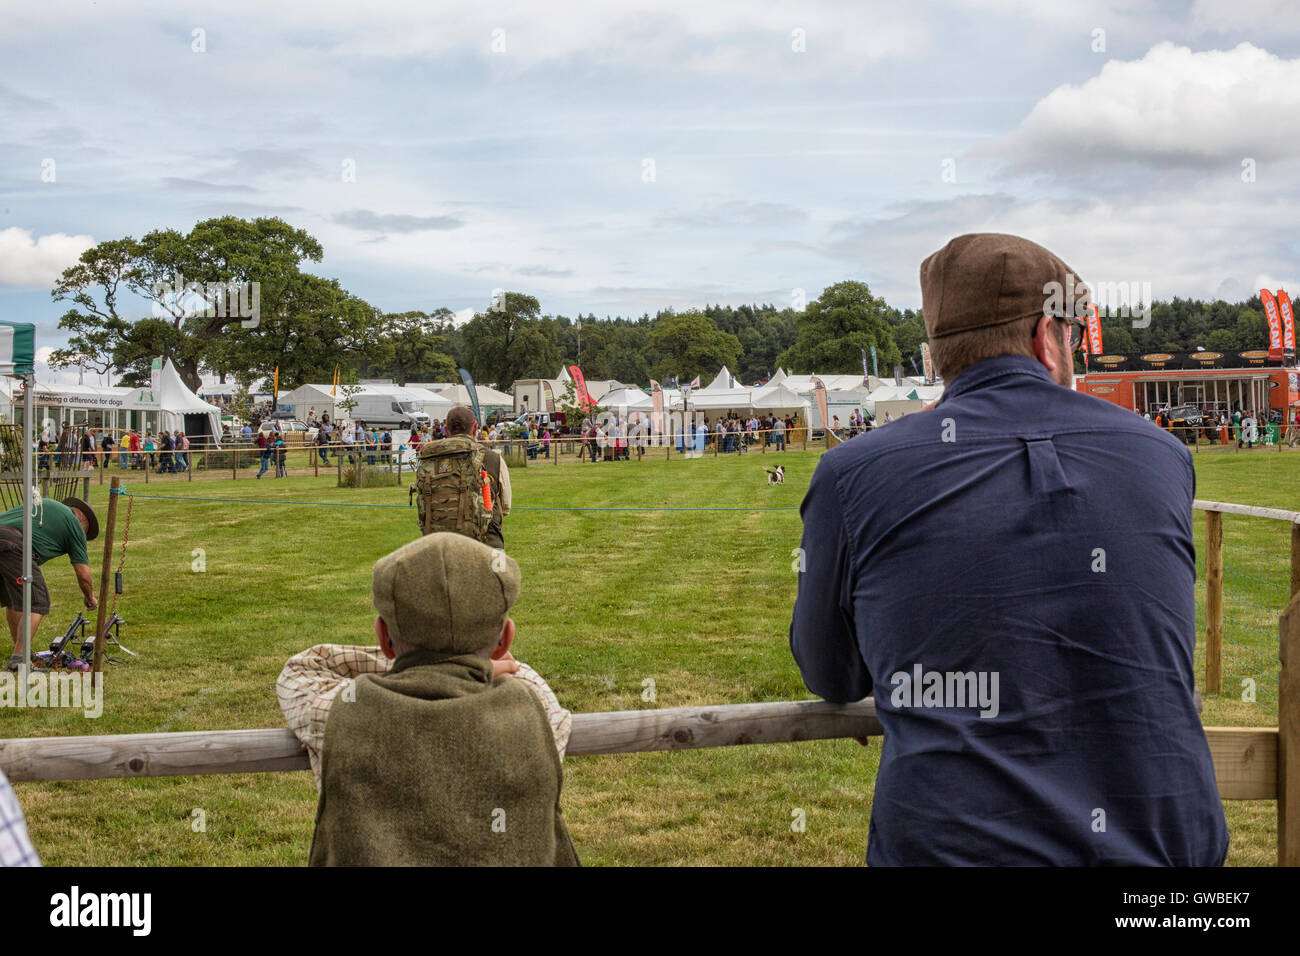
{"x": 77, "y": 542}
{"x": 311, "y": 680}
{"x": 505, "y": 488}
{"x": 823, "y": 638}
{"x": 561, "y": 720}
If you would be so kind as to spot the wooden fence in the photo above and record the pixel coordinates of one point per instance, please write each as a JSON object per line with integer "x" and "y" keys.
{"x": 1250, "y": 763}
{"x": 1214, "y": 512}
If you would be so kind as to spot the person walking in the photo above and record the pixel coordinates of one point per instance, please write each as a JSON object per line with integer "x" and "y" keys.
{"x": 264, "y": 452}
{"x": 106, "y": 448}
{"x": 281, "y": 457}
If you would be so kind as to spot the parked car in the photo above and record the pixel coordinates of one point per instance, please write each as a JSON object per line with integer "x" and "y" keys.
{"x": 293, "y": 431}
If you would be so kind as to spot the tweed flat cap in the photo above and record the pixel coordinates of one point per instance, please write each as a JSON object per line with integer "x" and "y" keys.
{"x": 988, "y": 278}
{"x": 445, "y": 592}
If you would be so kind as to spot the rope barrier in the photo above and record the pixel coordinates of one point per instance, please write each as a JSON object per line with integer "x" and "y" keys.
{"x": 367, "y": 504}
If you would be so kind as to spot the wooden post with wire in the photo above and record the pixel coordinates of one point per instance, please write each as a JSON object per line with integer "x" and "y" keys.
{"x": 105, "y": 575}
{"x": 1288, "y": 740}
{"x": 1213, "y": 602}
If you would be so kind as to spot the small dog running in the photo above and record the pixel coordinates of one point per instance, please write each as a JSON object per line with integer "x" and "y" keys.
{"x": 776, "y": 476}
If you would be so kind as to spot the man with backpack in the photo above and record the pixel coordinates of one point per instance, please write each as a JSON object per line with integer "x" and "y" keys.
{"x": 461, "y": 484}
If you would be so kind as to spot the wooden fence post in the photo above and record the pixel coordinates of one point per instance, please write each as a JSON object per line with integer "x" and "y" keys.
{"x": 109, "y": 526}
{"x": 1288, "y": 739}
{"x": 1295, "y": 559}
{"x": 1213, "y": 602}
{"x": 234, "y": 462}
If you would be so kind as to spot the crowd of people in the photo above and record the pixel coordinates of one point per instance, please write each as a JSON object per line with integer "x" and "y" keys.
{"x": 132, "y": 450}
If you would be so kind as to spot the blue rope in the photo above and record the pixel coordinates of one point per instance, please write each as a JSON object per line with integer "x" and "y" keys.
{"x": 365, "y": 504}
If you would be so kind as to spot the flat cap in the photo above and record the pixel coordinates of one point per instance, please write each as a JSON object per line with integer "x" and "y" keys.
{"x": 445, "y": 592}
{"x": 988, "y": 278}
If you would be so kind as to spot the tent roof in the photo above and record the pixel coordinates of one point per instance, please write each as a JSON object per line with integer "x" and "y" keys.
{"x": 720, "y": 398}
{"x": 17, "y": 348}
{"x": 778, "y": 396}
{"x": 629, "y": 396}
{"x": 722, "y": 381}
{"x": 175, "y": 396}
{"x": 778, "y": 378}
{"x": 833, "y": 383}
{"x": 459, "y": 394}
{"x": 415, "y": 393}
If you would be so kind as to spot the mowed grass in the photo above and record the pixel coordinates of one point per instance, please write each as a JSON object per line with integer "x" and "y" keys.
{"x": 696, "y": 601}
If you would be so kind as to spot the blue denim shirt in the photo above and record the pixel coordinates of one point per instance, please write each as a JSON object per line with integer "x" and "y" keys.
{"x": 1029, "y": 540}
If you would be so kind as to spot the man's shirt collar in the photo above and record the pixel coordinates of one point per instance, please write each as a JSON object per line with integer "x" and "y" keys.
{"x": 986, "y": 370}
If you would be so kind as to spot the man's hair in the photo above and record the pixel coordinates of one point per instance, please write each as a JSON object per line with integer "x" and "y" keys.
{"x": 955, "y": 353}
{"x": 460, "y": 420}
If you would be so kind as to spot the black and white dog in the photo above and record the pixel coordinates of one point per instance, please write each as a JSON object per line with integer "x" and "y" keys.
{"x": 776, "y": 476}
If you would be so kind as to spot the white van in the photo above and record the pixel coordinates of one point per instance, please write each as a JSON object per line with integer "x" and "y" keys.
{"x": 390, "y": 410}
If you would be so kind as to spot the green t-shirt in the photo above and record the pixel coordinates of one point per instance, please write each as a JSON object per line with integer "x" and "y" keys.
{"x": 56, "y": 530}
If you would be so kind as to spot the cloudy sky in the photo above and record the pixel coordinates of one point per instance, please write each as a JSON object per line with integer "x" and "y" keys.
{"x": 623, "y": 157}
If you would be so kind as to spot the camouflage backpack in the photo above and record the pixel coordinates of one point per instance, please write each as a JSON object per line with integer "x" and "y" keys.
{"x": 449, "y": 482}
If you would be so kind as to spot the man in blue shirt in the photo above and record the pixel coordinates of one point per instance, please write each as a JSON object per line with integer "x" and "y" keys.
{"x": 1012, "y": 573}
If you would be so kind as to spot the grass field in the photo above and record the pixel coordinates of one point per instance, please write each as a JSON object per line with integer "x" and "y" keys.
{"x": 698, "y": 601}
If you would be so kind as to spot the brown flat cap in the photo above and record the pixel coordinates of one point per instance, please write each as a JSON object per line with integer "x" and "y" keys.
{"x": 989, "y": 278}
{"x": 445, "y": 592}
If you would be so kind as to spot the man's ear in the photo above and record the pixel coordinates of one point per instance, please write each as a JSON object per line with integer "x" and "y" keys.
{"x": 1047, "y": 345}
{"x": 385, "y": 644}
{"x": 503, "y": 644}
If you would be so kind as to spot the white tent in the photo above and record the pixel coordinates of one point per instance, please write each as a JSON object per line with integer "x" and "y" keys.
{"x": 458, "y": 394}
{"x": 629, "y": 396}
{"x": 898, "y": 400}
{"x": 306, "y": 397}
{"x": 167, "y": 403}
{"x": 722, "y": 381}
{"x": 181, "y": 408}
{"x": 778, "y": 398}
{"x": 719, "y": 399}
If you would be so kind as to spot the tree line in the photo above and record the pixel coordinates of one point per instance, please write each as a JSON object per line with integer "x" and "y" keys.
{"x": 307, "y": 325}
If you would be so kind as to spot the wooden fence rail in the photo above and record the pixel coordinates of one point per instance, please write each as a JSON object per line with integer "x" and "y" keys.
{"x": 1250, "y": 763}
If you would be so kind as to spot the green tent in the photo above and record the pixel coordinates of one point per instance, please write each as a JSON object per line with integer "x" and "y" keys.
{"x": 17, "y": 360}
{"x": 17, "y": 348}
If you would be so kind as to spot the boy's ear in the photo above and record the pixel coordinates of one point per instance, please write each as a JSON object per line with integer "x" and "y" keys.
{"x": 503, "y": 644}
{"x": 385, "y": 644}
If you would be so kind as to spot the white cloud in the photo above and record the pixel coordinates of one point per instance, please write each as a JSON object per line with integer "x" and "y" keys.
{"x": 1173, "y": 106}
{"x": 1186, "y": 244}
{"x": 28, "y": 261}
